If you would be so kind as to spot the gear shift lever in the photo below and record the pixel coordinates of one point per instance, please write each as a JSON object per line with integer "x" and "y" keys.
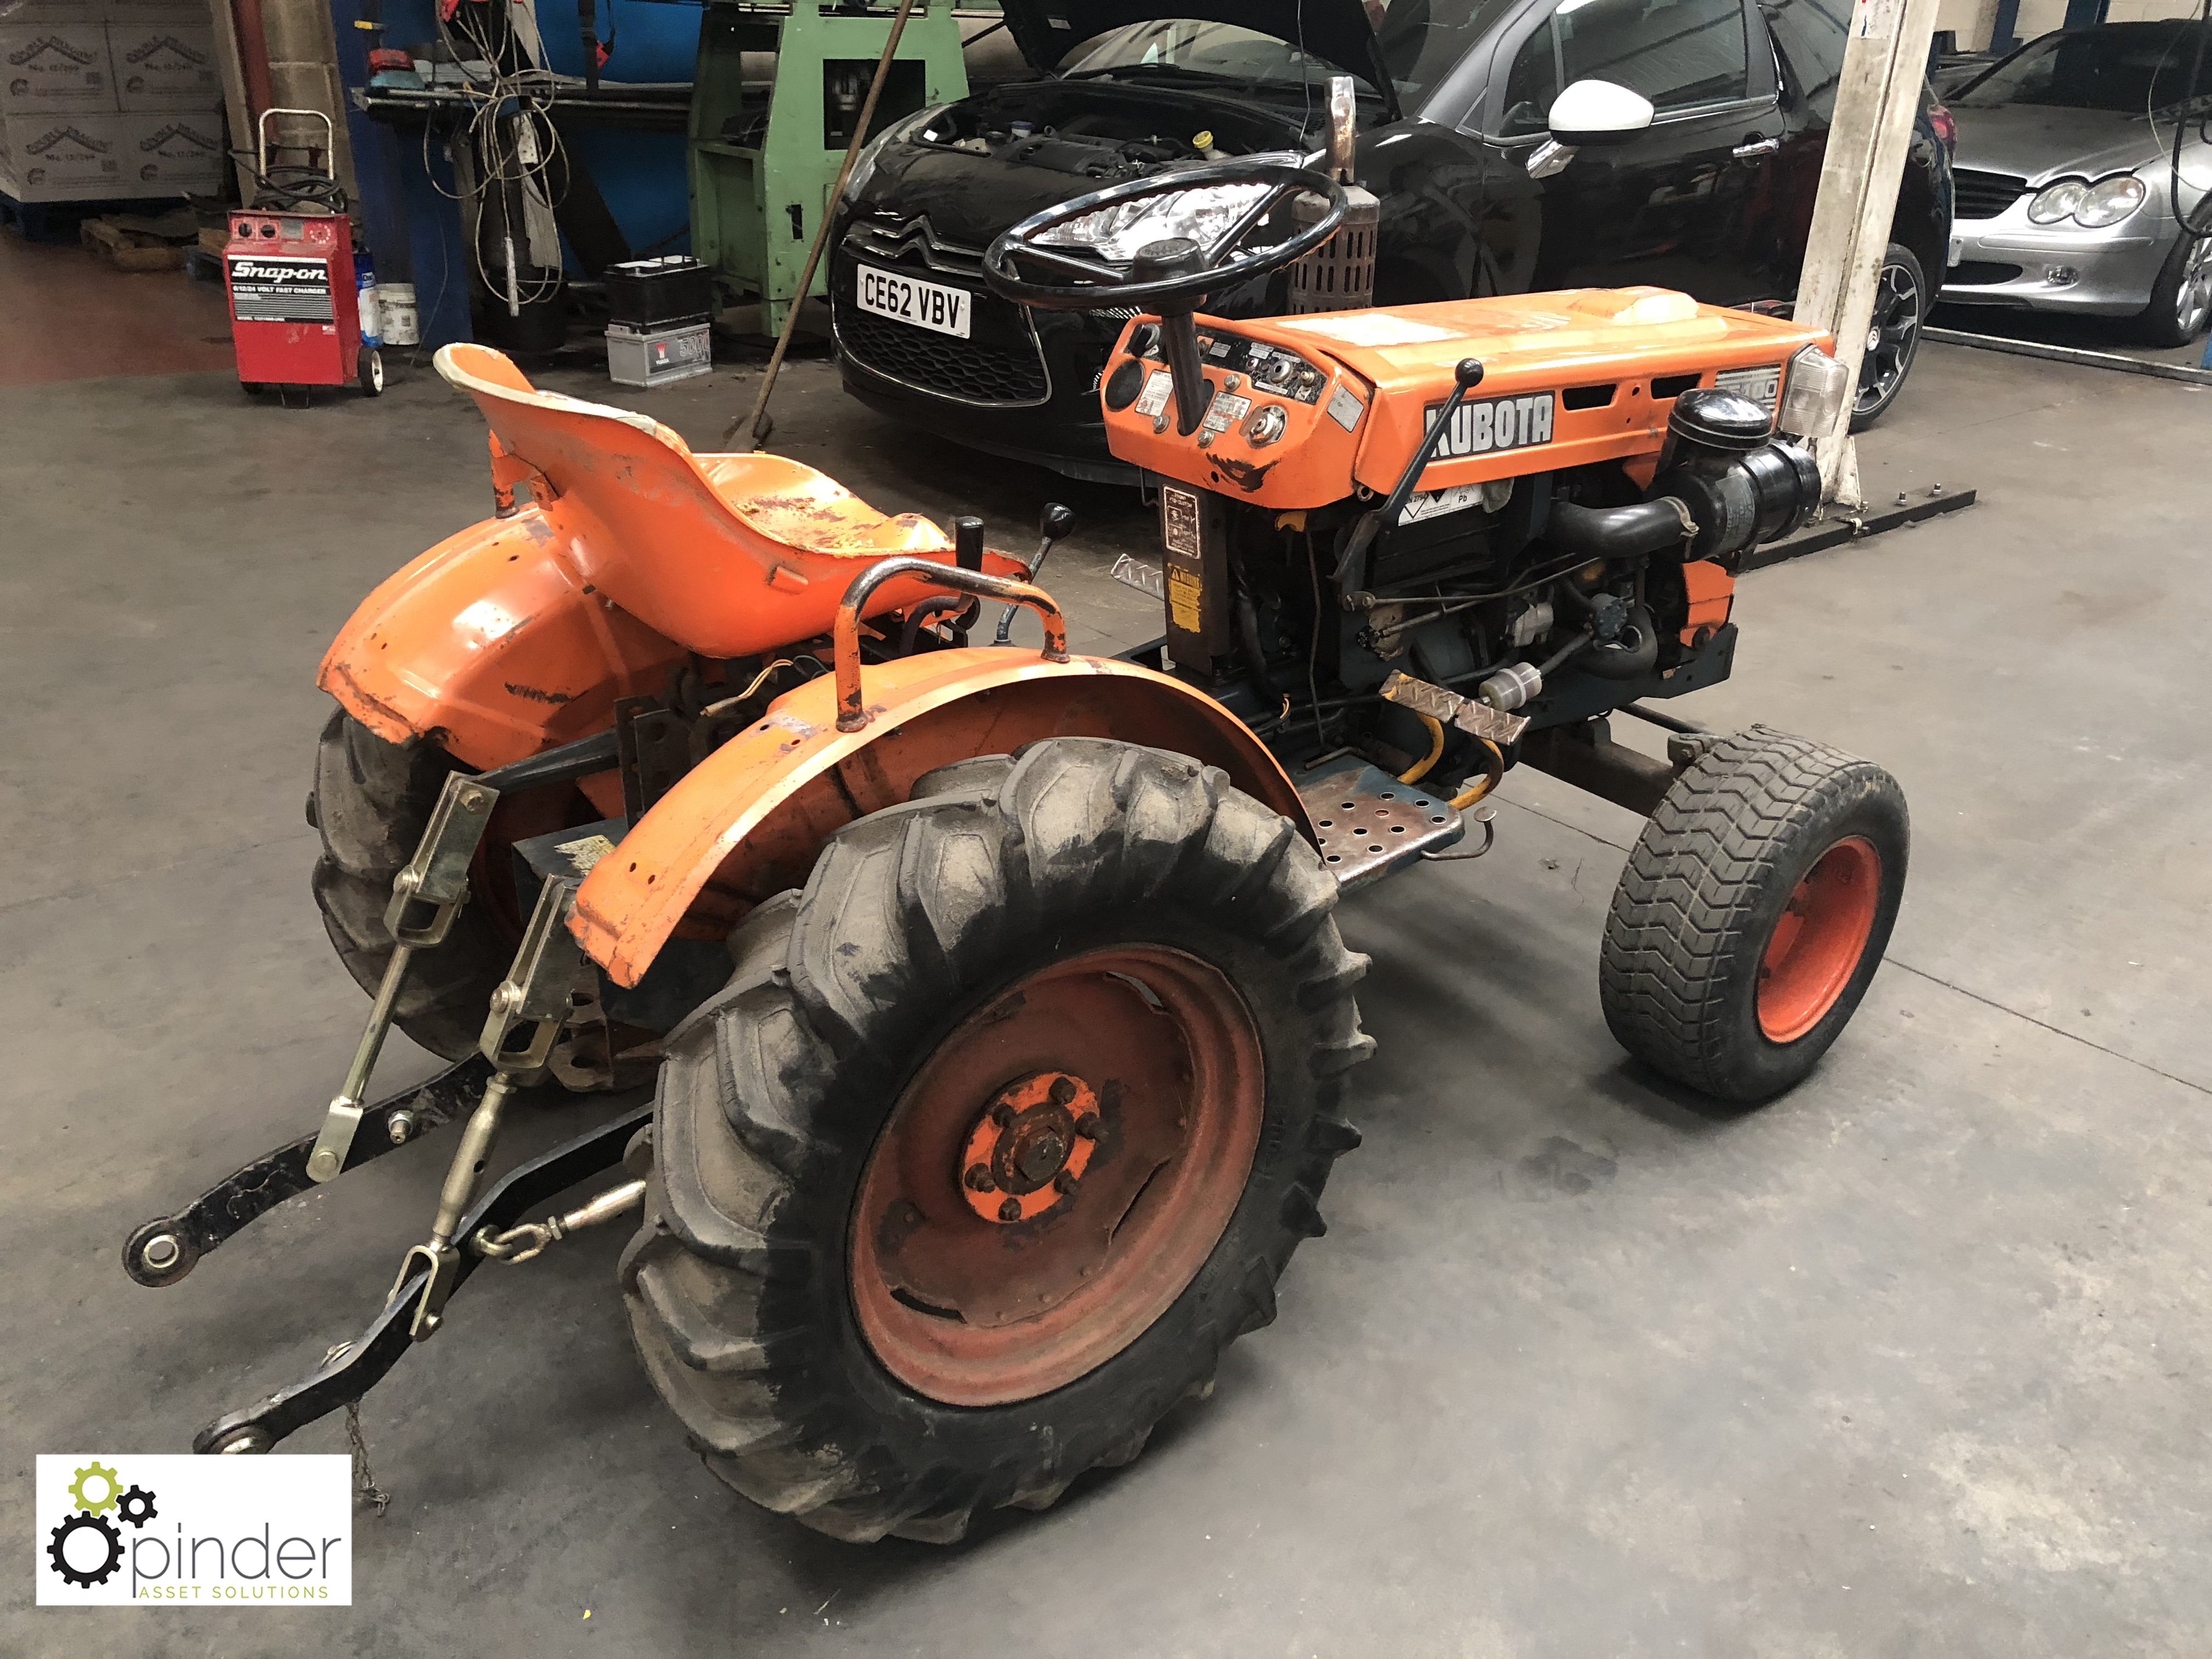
{"x": 1054, "y": 523}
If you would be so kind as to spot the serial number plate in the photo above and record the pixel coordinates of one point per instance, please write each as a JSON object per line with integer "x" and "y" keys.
{"x": 925, "y": 305}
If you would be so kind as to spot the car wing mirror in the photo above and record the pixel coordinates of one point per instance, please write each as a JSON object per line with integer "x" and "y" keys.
{"x": 1589, "y": 113}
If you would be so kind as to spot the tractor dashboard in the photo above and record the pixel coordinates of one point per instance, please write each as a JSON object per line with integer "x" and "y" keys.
{"x": 1306, "y": 411}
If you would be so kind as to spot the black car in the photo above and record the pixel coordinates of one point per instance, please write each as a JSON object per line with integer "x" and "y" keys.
{"x": 1715, "y": 197}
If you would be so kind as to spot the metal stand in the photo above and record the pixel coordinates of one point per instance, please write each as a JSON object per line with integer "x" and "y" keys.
{"x": 766, "y": 162}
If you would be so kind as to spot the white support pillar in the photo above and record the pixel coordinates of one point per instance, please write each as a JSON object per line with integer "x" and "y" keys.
{"x": 1884, "y": 63}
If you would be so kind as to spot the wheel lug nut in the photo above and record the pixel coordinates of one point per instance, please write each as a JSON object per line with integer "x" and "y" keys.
{"x": 1087, "y": 1125}
{"x": 1065, "y": 1182}
{"x": 1002, "y": 1114}
{"x": 1063, "y": 1090}
{"x": 979, "y": 1178}
{"x": 1010, "y": 1210}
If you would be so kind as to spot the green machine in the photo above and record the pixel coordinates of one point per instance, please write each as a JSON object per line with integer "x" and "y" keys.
{"x": 765, "y": 153}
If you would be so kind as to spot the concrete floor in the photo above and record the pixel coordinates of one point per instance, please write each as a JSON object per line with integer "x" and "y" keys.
{"x": 1910, "y": 1362}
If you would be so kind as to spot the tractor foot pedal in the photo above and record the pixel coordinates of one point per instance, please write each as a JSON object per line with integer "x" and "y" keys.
{"x": 1370, "y": 824}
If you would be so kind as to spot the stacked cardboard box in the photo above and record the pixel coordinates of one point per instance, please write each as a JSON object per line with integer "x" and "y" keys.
{"x": 107, "y": 100}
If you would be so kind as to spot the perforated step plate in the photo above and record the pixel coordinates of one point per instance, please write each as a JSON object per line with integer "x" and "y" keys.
{"x": 1370, "y": 824}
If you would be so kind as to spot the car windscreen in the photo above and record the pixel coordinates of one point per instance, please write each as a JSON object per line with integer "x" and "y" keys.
{"x": 1420, "y": 41}
{"x": 1182, "y": 46}
{"x": 2128, "y": 67}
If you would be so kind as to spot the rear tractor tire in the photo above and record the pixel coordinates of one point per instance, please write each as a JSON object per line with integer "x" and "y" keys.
{"x": 1001, "y": 1131}
{"x": 1755, "y": 909}
{"x": 371, "y": 801}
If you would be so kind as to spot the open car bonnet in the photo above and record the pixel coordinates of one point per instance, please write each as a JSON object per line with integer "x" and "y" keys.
{"x": 1335, "y": 31}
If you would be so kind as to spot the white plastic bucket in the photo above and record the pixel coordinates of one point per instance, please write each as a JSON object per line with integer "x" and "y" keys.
{"x": 396, "y": 300}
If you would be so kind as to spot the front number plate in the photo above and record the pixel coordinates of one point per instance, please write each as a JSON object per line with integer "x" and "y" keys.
{"x": 932, "y": 306}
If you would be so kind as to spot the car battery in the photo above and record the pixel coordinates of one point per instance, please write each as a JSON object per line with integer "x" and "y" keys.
{"x": 643, "y": 295}
{"x": 654, "y": 356}
{"x": 294, "y": 305}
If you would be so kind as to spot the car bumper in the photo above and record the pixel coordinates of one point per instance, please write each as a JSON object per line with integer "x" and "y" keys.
{"x": 1024, "y": 384}
{"x": 2009, "y": 261}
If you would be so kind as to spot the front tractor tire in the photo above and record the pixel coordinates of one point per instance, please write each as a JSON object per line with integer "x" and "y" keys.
{"x": 372, "y": 802}
{"x": 1001, "y": 1131}
{"x": 1754, "y": 911}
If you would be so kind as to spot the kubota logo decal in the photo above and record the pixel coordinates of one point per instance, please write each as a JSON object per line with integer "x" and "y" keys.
{"x": 1483, "y": 426}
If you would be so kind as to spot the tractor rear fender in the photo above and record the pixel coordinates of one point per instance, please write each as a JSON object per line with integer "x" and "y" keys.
{"x": 493, "y": 645}
{"x": 749, "y": 821}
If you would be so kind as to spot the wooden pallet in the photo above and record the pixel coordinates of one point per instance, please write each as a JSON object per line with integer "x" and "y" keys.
{"x": 58, "y": 222}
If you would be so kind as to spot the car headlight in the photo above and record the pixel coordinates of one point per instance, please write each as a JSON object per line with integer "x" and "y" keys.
{"x": 2110, "y": 200}
{"x": 1814, "y": 394}
{"x": 864, "y": 165}
{"x": 1116, "y": 233}
{"x": 2057, "y": 202}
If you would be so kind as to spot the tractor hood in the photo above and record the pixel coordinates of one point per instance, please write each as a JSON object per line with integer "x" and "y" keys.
{"x": 1335, "y": 31}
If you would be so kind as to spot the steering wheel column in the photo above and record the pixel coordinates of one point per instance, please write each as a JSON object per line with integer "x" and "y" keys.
{"x": 1178, "y": 256}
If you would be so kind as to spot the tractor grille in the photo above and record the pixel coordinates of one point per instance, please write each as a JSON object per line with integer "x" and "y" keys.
{"x": 1980, "y": 273}
{"x": 1985, "y": 195}
{"x": 1000, "y": 363}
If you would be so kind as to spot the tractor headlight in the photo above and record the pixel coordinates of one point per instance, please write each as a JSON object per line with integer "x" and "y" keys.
{"x": 864, "y": 165}
{"x": 1814, "y": 394}
{"x": 1116, "y": 233}
{"x": 2110, "y": 200}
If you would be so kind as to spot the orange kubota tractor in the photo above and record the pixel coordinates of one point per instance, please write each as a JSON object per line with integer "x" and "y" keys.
{"x": 997, "y": 1014}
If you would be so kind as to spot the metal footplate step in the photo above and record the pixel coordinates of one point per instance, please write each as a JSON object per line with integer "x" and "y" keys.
{"x": 1369, "y": 823}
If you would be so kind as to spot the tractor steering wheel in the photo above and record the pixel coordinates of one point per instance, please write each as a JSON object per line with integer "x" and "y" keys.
{"x": 1173, "y": 274}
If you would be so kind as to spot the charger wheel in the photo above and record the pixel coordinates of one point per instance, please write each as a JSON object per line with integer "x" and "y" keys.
{"x": 1002, "y": 1130}
{"x": 1753, "y": 912}
{"x": 371, "y": 372}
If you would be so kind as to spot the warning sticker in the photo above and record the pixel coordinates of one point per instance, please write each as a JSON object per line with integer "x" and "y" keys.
{"x": 1184, "y": 591}
{"x": 1154, "y": 399}
{"x": 267, "y": 289}
{"x": 1345, "y": 408}
{"x": 583, "y": 854}
{"x": 1179, "y": 521}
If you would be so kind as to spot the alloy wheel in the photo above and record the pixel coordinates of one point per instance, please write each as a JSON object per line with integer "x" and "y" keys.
{"x": 1893, "y": 335}
{"x": 2194, "y": 303}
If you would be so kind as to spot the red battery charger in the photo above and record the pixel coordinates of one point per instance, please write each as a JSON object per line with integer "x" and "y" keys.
{"x": 295, "y": 312}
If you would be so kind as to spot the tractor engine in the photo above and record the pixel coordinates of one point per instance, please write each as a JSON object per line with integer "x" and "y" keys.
{"x": 1552, "y": 593}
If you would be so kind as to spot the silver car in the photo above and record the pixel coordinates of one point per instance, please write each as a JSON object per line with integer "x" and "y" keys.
{"x": 2067, "y": 179}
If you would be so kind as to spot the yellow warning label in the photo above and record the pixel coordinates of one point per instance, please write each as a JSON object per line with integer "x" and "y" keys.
{"x": 1184, "y": 591}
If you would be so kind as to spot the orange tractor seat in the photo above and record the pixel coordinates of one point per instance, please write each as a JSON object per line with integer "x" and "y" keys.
{"x": 726, "y": 554}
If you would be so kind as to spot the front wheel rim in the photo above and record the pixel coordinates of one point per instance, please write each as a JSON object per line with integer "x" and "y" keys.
{"x": 2196, "y": 296}
{"x": 970, "y": 1306}
{"x": 1894, "y": 333}
{"x": 1818, "y": 940}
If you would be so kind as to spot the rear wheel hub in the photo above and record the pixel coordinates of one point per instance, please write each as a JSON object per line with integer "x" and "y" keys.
{"x": 1029, "y": 1148}
{"x": 1011, "y": 1234}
